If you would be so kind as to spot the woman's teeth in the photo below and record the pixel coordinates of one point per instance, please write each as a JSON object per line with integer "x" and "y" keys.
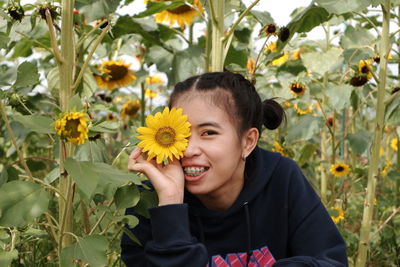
{"x": 194, "y": 171}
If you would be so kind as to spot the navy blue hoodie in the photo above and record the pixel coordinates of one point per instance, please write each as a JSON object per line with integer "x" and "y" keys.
{"x": 277, "y": 219}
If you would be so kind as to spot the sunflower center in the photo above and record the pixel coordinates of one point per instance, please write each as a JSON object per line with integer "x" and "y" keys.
{"x": 165, "y": 136}
{"x": 364, "y": 69}
{"x": 180, "y": 9}
{"x": 297, "y": 89}
{"x": 71, "y": 127}
{"x": 117, "y": 72}
{"x": 339, "y": 169}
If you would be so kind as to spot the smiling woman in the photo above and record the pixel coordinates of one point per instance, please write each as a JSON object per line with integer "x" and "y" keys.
{"x": 227, "y": 201}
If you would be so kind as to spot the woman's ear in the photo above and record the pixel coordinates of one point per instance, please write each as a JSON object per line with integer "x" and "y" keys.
{"x": 249, "y": 141}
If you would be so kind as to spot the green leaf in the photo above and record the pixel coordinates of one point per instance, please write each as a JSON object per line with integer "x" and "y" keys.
{"x": 185, "y": 64}
{"x": 4, "y": 39}
{"x": 359, "y": 142}
{"x": 161, "y": 57}
{"x": 8, "y": 174}
{"x": 127, "y": 196}
{"x": 98, "y": 177}
{"x": 236, "y": 56}
{"x": 156, "y": 7}
{"x": 90, "y": 249}
{"x": 6, "y": 257}
{"x": 84, "y": 174}
{"x": 323, "y": 62}
{"x": 306, "y": 153}
{"x": 97, "y": 9}
{"x": 53, "y": 81}
{"x": 353, "y": 56}
{"x": 147, "y": 200}
{"x": 27, "y": 75}
{"x": 392, "y": 113}
{"x": 21, "y": 201}
{"x": 75, "y": 104}
{"x": 23, "y": 48}
{"x": 339, "y": 95}
{"x": 343, "y": 6}
{"x": 357, "y": 37}
{"x": 264, "y": 17}
{"x": 308, "y": 19}
{"x": 36, "y": 123}
{"x": 89, "y": 85}
{"x": 303, "y": 130}
{"x": 105, "y": 127}
{"x": 93, "y": 151}
{"x": 52, "y": 176}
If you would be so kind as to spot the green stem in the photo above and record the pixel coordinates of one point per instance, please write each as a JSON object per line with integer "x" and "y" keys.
{"x": 14, "y": 141}
{"x": 66, "y": 70}
{"x": 217, "y": 47}
{"x": 143, "y": 105}
{"x": 373, "y": 171}
{"x": 244, "y": 13}
{"x": 89, "y": 57}
{"x": 324, "y": 184}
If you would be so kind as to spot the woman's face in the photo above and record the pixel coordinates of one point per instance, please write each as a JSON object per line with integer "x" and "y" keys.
{"x": 212, "y": 162}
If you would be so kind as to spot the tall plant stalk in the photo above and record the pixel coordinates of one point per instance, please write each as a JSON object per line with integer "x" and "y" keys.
{"x": 217, "y": 34}
{"x": 373, "y": 171}
{"x": 66, "y": 70}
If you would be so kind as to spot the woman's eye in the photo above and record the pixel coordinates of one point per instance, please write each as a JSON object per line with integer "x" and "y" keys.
{"x": 209, "y": 132}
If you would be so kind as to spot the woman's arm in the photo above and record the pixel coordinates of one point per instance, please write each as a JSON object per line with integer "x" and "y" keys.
{"x": 166, "y": 236}
{"x": 314, "y": 237}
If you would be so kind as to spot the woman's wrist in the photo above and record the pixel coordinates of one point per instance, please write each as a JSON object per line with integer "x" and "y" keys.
{"x": 172, "y": 199}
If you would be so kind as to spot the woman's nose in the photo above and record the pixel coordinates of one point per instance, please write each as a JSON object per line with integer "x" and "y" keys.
{"x": 193, "y": 148}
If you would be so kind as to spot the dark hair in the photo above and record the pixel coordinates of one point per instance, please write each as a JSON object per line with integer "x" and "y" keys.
{"x": 237, "y": 95}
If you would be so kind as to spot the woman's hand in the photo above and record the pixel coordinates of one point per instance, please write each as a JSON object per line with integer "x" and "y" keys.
{"x": 168, "y": 181}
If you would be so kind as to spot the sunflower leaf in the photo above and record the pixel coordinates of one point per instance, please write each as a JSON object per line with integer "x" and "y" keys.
{"x": 343, "y": 6}
{"x": 156, "y": 7}
{"x": 27, "y": 75}
{"x": 359, "y": 142}
{"x": 36, "y": 123}
{"x": 90, "y": 249}
{"x": 75, "y": 104}
{"x": 22, "y": 201}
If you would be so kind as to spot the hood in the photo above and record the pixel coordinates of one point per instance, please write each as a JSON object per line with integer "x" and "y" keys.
{"x": 257, "y": 176}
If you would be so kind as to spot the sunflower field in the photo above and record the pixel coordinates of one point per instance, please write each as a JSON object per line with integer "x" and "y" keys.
{"x": 77, "y": 80}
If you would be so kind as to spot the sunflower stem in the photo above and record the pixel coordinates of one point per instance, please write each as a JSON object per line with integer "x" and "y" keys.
{"x": 89, "y": 57}
{"x": 217, "y": 47}
{"x": 53, "y": 39}
{"x": 373, "y": 171}
{"x": 14, "y": 141}
{"x": 240, "y": 18}
{"x": 143, "y": 104}
{"x": 66, "y": 71}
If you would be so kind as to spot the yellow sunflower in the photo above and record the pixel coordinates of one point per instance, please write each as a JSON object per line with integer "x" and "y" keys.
{"x": 302, "y": 111}
{"x": 130, "y": 109}
{"x": 386, "y": 168}
{"x": 154, "y": 79}
{"x": 393, "y": 144}
{"x": 251, "y": 65}
{"x": 297, "y": 89}
{"x": 165, "y": 135}
{"x": 183, "y": 15}
{"x": 339, "y": 214}
{"x": 271, "y": 47}
{"x": 73, "y": 127}
{"x": 114, "y": 74}
{"x": 278, "y": 148}
{"x": 365, "y": 67}
{"x": 339, "y": 169}
{"x": 279, "y": 61}
{"x": 150, "y": 93}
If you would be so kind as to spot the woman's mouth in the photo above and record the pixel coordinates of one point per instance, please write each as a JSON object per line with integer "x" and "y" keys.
{"x": 194, "y": 171}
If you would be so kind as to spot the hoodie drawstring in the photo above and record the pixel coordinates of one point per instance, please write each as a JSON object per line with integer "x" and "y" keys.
{"x": 248, "y": 228}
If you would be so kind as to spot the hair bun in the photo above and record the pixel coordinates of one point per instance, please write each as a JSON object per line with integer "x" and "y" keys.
{"x": 273, "y": 114}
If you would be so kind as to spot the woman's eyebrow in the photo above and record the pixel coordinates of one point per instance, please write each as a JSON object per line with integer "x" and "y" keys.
{"x": 209, "y": 123}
